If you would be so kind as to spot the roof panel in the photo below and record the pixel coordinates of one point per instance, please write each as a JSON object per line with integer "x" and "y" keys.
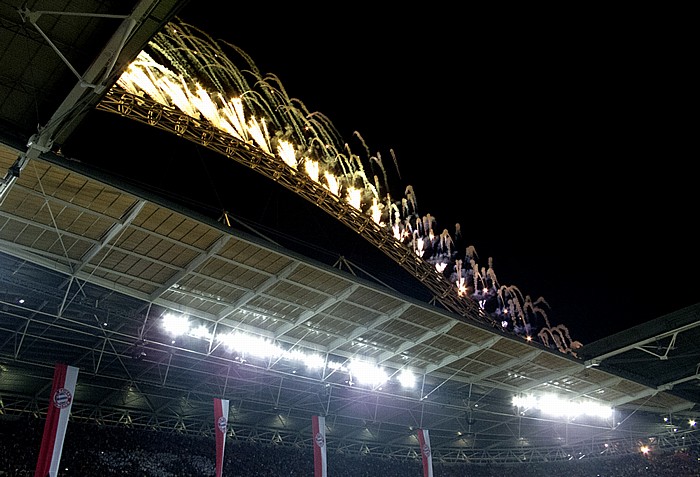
{"x": 469, "y": 332}
{"x": 340, "y": 319}
{"x": 241, "y": 277}
{"x": 380, "y": 302}
{"x": 325, "y": 283}
{"x": 352, "y": 314}
{"x": 256, "y": 258}
{"x": 292, "y": 293}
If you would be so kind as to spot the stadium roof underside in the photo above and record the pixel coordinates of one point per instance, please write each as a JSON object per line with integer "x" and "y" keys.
{"x": 89, "y": 266}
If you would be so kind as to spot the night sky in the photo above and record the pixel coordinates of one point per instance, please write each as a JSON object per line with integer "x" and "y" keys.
{"x": 556, "y": 141}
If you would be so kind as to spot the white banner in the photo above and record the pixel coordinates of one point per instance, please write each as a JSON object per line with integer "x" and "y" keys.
{"x": 60, "y": 403}
{"x": 220, "y": 429}
{"x": 319, "y": 436}
{"x": 424, "y": 440}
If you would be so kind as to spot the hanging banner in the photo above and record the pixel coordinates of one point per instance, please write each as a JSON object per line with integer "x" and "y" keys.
{"x": 60, "y": 402}
{"x": 220, "y": 428}
{"x": 424, "y": 441}
{"x": 318, "y": 425}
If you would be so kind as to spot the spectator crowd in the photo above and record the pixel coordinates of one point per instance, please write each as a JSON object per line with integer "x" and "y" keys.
{"x": 110, "y": 451}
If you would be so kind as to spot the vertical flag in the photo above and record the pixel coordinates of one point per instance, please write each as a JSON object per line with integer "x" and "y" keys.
{"x": 60, "y": 402}
{"x": 424, "y": 441}
{"x": 318, "y": 425}
{"x": 220, "y": 428}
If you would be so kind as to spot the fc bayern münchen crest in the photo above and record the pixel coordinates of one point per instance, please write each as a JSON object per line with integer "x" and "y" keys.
{"x": 222, "y": 423}
{"x": 426, "y": 450}
{"x": 320, "y": 440}
{"x": 62, "y": 398}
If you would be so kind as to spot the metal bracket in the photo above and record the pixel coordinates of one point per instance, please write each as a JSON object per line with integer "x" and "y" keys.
{"x": 33, "y": 17}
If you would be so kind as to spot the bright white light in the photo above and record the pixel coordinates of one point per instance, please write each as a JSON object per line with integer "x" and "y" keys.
{"x": 311, "y": 168}
{"x": 310, "y": 361}
{"x": 285, "y": 149}
{"x": 553, "y": 405}
{"x": 419, "y": 247}
{"x": 176, "y": 325}
{"x": 314, "y": 361}
{"x": 200, "y": 331}
{"x": 295, "y": 355}
{"x": 251, "y": 345}
{"x": 337, "y": 366}
{"x": 407, "y": 379}
{"x": 368, "y": 373}
{"x": 355, "y": 197}
{"x": 527, "y": 401}
{"x": 255, "y": 346}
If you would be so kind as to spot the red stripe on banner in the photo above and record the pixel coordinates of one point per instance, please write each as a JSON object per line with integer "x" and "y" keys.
{"x": 60, "y": 403}
{"x": 220, "y": 428}
{"x": 49, "y": 438}
{"x": 318, "y": 426}
{"x": 426, "y": 453}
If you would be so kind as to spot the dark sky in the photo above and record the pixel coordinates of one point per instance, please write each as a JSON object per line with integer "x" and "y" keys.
{"x": 556, "y": 139}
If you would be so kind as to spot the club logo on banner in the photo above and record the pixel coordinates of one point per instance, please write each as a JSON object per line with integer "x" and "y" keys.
{"x": 59, "y": 404}
{"x": 62, "y": 398}
{"x": 222, "y": 424}
{"x": 220, "y": 428}
{"x": 318, "y": 434}
{"x": 320, "y": 440}
{"x": 424, "y": 442}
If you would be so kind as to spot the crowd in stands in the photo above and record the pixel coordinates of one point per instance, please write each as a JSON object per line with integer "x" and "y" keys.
{"x": 108, "y": 451}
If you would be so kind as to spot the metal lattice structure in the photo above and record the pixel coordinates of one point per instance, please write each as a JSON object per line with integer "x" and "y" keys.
{"x": 202, "y": 132}
{"x": 97, "y": 268}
